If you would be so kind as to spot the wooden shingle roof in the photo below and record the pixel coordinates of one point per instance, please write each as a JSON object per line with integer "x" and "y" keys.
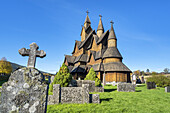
{"x": 112, "y": 52}
{"x": 116, "y": 66}
{"x": 70, "y": 59}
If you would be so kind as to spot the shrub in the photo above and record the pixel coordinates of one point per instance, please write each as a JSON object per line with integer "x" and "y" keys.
{"x": 63, "y": 77}
{"x": 92, "y": 76}
{"x": 160, "y": 80}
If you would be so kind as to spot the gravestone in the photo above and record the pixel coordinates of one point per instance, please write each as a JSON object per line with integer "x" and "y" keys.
{"x": 52, "y": 79}
{"x": 104, "y": 79}
{"x": 126, "y": 87}
{"x": 151, "y": 85}
{"x": 142, "y": 79}
{"x": 167, "y": 89}
{"x": 133, "y": 79}
{"x": 25, "y": 91}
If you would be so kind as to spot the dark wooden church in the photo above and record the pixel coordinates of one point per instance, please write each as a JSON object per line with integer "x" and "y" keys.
{"x": 97, "y": 49}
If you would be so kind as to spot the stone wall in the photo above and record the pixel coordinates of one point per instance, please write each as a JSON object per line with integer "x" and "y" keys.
{"x": 126, "y": 87}
{"x": 92, "y": 87}
{"x": 72, "y": 95}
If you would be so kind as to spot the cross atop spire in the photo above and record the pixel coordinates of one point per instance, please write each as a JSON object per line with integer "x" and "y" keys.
{"x": 100, "y": 16}
{"x": 87, "y": 12}
{"x": 111, "y": 22}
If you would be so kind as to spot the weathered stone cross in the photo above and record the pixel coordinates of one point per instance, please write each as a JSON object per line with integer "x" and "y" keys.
{"x": 32, "y": 53}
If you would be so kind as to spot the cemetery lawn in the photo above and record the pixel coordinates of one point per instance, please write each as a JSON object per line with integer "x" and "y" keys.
{"x": 141, "y": 101}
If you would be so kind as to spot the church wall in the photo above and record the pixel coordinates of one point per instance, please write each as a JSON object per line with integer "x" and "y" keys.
{"x": 99, "y": 33}
{"x": 78, "y": 52}
{"x": 116, "y": 76}
{"x": 83, "y": 35}
{"x": 112, "y": 43}
{"x": 107, "y": 60}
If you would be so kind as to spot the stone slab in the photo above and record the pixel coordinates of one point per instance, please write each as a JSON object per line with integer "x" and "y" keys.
{"x": 126, "y": 87}
{"x": 167, "y": 89}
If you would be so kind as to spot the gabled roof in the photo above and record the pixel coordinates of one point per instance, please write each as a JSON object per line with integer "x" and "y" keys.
{"x": 87, "y": 29}
{"x": 116, "y": 66}
{"x": 76, "y": 43}
{"x": 83, "y": 43}
{"x": 91, "y": 53}
{"x": 70, "y": 59}
{"x": 98, "y": 67}
{"x": 99, "y": 54}
{"x": 79, "y": 69}
{"x": 103, "y": 36}
{"x": 81, "y": 58}
{"x": 112, "y": 52}
{"x": 70, "y": 68}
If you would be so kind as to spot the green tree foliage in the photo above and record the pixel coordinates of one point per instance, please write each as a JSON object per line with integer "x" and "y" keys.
{"x": 166, "y": 70}
{"x": 92, "y": 76}
{"x": 160, "y": 80}
{"x": 5, "y": 66}
{"x": 63, "y": 77}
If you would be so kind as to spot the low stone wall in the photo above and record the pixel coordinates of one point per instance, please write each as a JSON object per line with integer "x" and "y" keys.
{"x": 72, "y": 95}
{"x": 151, "y": 85}
{"x": 126, "y": 87}
{"x": 92, "y": 87}
{"x": 167, "y": 89}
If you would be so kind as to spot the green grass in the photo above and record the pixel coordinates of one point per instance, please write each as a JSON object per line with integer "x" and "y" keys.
{"x": 141, "y": 101}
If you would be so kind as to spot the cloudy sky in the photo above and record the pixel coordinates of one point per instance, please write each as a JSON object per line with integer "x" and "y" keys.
{"x": 142, "y": 28}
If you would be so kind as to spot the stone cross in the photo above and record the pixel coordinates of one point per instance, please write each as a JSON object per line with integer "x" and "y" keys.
{"x": 32, "y": 53}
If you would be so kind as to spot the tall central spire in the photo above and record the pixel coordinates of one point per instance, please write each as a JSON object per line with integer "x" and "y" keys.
{"x": 100, "y": 29}
{"x": 87, "y": 20}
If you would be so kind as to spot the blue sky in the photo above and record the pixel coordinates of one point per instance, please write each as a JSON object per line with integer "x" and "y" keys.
{"x": 141, "y": 26}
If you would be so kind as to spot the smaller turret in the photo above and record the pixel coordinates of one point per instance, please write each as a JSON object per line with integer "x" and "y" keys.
{"x": 100, "y": 29}
{"x": 112, "y": 40}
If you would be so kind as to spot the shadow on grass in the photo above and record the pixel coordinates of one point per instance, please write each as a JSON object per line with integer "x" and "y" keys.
{"x": 107, "y": 99}
{"x": 138, "y": 91}
{"x": 109, "y": 90}
{"x": 142, "y": 85}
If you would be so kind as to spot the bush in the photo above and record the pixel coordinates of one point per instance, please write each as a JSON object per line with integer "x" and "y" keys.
{"x": 63, "y": 77}
{"x": 160, "y": 80}
{"x": 92, "y": 76}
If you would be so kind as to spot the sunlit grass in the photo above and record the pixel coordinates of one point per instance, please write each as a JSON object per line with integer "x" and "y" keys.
{"x": 141, "y": 101}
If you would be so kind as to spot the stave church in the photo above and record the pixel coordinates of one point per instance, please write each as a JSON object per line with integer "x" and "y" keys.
{"x": 97, "y": 50}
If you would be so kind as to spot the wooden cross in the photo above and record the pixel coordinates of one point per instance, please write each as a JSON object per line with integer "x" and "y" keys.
{"x": 32, "y": 53}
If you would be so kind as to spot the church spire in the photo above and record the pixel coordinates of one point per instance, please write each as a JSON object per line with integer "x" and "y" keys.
{"x": 112, "y": 32}
{"x": 87, "y": 20}
{"x": 112, "y": 40}
{"x": 100, "y": 29}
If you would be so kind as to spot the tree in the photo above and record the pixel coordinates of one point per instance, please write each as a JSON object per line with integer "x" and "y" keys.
{"x": 147, "y": 70}
{"x": 137, "y": 72}
{"x": 166, "y": 70}
{"x": 92, "y": 76}
{"x": 5, "y": 66}
{"x": 63, "y": 77}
